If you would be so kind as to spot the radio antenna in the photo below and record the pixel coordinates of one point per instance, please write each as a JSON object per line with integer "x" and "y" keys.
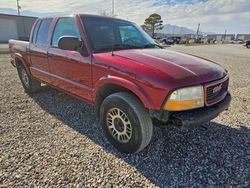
{"x": 113, "y": 40}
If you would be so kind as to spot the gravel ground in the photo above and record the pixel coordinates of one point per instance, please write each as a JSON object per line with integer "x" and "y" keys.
{"x": 52, "y": 139}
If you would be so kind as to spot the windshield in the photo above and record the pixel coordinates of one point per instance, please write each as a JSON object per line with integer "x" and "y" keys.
{"x": 106, "y": 34}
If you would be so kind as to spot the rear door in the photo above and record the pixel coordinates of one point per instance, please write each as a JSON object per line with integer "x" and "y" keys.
{"x": 71, "y": 70}
{"x": 38, "y": 49}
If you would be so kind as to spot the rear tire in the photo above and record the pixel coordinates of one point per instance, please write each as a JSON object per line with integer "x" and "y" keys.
{"x": 126, "y": 123}
{"x": 30, "y": 85}
{"x": 248, "y": 46}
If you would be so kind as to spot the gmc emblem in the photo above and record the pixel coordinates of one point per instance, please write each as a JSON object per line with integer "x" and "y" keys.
{"x": 217, "y": 88}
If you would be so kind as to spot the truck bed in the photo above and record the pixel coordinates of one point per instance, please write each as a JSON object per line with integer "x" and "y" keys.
{"x": 18, "y": 47}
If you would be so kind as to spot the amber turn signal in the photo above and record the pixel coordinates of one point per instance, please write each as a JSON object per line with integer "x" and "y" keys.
{"x": 185, "y": 99}
{"x": 183, "y": 105}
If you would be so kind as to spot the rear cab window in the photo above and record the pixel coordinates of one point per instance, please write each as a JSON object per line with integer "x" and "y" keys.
{"x": 64, "y": 27}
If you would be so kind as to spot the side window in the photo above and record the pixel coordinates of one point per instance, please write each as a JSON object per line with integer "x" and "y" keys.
{"x": 34, "y": 34}
{"x": 43, "y": 32}
{"x": 64, "y": 26}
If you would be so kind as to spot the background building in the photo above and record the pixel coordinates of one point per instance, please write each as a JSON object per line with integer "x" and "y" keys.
{"x": 15, "y": 27}
{"x": 243, "y": 36}
{"x": 182, "y": 36}
{"x": 220, "y": 37}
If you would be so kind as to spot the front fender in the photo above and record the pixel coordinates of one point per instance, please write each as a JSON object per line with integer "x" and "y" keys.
{"x": 137, "y": 90}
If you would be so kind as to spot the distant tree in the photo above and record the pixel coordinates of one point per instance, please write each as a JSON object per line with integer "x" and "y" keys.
{"x": 152, "y": 23}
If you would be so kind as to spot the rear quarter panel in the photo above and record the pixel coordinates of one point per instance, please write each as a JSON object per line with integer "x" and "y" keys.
{"x": 18, "y": 52}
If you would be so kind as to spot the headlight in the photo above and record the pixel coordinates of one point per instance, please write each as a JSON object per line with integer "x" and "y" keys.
{"x": 185, "y": 99}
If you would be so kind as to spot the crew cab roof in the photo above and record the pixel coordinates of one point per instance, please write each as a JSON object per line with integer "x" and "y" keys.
{"x": 82, "y": 15}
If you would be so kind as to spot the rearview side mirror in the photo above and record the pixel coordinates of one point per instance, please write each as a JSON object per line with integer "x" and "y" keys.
{"x": 69, "y": 43}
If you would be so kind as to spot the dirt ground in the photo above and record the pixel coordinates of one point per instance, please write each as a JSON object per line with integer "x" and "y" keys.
{"x": 52, "y": 139}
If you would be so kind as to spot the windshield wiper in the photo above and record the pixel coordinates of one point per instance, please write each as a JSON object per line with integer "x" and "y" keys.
{"x": 114, "y": 47}
{"x": 150, "y": 45}
{"x": 124, "y": 46}
{"x": 127, "y": 46}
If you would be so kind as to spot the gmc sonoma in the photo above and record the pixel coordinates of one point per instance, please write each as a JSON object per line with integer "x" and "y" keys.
{"x": 114, "y": 65}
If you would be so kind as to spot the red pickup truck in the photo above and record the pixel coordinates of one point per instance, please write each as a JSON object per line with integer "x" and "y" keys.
{"x": 114, "y": 65}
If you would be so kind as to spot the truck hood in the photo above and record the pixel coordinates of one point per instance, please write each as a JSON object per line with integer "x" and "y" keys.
{"x": 180, "y": 67}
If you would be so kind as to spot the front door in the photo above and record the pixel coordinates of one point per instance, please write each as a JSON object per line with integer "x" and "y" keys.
{"x": 70, "y": 69}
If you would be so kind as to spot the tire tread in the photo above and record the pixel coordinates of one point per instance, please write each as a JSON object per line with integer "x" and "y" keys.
{"x": 35, "y": 85}
{"x": 142, "y": 114}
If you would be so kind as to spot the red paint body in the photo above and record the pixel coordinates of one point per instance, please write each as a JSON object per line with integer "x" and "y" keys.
{"x": 149, "y": 73}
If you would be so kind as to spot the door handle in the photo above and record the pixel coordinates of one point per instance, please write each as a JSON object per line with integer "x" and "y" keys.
{"x": 50, "y": 54}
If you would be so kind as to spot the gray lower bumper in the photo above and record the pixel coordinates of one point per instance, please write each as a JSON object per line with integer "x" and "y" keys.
{"x": 193, "y": 117}
{"x": 202, "y": 115}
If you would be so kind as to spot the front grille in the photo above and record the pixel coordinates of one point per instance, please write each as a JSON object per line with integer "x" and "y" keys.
{"x": 216, "y": 91}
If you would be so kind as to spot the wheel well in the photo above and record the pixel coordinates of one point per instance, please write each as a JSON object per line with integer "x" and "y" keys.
{"x": 107, "y": 90}
{"x": 18, "y": 61}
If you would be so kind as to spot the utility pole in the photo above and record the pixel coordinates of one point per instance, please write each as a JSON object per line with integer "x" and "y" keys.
{"x": 225, "y": 34}
{"x": 173, "y": 30}
{"x": 181, "y": 30}
{"x": 18, "y": 7}
{"x": 113, "y": 8}
{"x": 198, "y": 30}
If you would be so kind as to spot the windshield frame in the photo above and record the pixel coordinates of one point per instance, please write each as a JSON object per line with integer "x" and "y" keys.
{"x": 115, "y": 23}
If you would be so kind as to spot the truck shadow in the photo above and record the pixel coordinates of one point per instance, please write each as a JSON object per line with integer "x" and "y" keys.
{"x": 211, "y": 154}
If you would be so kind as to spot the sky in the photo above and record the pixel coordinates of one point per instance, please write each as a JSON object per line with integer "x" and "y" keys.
{"x": 213, "y": 15}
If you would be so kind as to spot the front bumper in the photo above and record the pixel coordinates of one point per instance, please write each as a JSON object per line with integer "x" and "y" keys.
{"x": 193, "y": 117}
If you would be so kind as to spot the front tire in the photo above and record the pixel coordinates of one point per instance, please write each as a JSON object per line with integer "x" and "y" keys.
{"x": 30, "y": 85}
{"x": 126, "y": 123}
